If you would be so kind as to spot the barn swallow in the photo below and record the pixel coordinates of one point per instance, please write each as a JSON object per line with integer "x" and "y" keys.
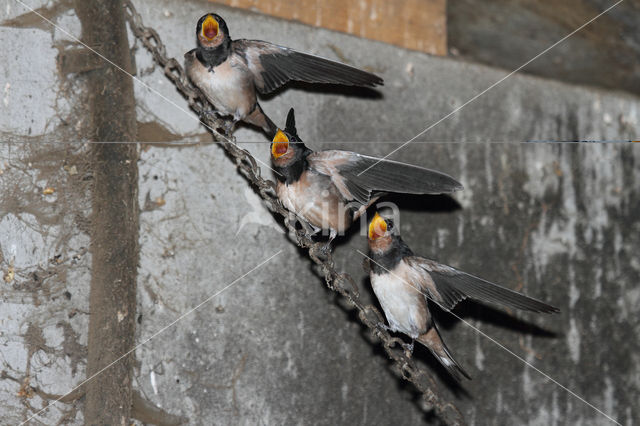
{"x": 230, "y": 72}
{"x": 403, "y": 282}
{"x": 328, "y": 190}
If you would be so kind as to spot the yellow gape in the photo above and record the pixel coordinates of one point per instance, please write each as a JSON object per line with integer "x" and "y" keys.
{"x": 377, "y": 227}
{"x": 210, "y": 28}
{"x": 280, "y": 144}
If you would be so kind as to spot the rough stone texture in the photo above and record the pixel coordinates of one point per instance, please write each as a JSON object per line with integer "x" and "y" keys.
{"x": 556, "y": 221}
{"x": 44, "y": 236}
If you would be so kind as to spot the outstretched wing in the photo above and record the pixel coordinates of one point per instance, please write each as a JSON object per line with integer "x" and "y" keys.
{"x": 357, "y": 176}
{"x": 272, "y": 66}
{"x": 447, "y": 286}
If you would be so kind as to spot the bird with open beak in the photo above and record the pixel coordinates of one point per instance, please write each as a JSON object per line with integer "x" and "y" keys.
{"x": 329, "y": 190}
{"x": 230, "y": 73}
{"x": 403, "y": 282}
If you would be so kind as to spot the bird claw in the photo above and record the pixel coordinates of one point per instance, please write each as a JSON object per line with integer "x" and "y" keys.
{"x": 308, "y": 229}
{"x": 408, "y": 347}
{"x": 229, "y": 126}
{"x": 383, "y": 326}
{"x": 212, "y": 114}
{"x": 326, "y": 248}
{"x": 208, "y": 114}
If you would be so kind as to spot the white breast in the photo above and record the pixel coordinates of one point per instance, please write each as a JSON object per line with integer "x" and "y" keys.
{"x": 286, "y": 194}
{"x": 312, "y": 199}
{"x": 302, "y": 203}
{"x": 403, "y": 305}
{"x": 228, "y": 88}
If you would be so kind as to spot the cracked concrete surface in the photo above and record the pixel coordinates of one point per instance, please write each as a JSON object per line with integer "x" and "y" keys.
{"x": 44, "y": 208}
{"x": 556, "y": 221}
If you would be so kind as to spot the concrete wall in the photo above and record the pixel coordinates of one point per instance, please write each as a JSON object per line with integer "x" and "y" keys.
{"x": 556, "y": 221}
{"x": 508, "y": 33}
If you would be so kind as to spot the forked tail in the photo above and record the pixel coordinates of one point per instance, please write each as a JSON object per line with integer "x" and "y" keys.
{"x": 432, "y": 340}
{"x": 260, "y": 119}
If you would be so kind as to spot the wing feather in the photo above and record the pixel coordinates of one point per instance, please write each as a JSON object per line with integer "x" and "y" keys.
{"x": 448, "y": 286}
{"x": 273, "y": 66}
{"x": 361, "y": 175}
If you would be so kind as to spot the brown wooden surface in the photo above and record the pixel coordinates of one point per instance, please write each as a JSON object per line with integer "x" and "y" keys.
{"x": 413, "y": 24}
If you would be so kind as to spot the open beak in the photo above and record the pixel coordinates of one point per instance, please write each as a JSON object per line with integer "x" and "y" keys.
{"x": 210, "y": 28}
{"x": 377, "y": 227}
{"x": 280, "y": 144}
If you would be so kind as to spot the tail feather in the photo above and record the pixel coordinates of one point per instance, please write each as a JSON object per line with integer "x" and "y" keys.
{"x": 433, "y": 341}
{"x": 260, "y": 119}
{"x": 270, "y": 127}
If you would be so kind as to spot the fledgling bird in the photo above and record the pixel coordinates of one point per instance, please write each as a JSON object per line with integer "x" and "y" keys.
{"x": 231, "y": 72}
{"x": 329, "y": 190}
{"x": 403, "y": 281}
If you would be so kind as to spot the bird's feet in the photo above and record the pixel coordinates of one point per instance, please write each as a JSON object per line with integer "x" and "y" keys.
{"x": 209, "y": 114}
{"x": 229, "y": 127}
{"x": 326, "y": 249}
{"x": 383, "y": 326}
{"x": 307, "y": 228}
{"x": 408, "y": 348}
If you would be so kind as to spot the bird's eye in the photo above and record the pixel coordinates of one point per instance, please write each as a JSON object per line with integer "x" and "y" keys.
{"x": 389, "y": 224}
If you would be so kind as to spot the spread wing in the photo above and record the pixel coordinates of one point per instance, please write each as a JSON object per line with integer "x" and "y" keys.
{"x": 447, "y": 286}
{"x": 272, "y": 66}
{"x": 357, "y": 176}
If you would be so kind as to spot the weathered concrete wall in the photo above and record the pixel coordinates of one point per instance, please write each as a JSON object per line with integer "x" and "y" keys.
{"x": 558, "y": 222}
{"x": 44, "y": 208}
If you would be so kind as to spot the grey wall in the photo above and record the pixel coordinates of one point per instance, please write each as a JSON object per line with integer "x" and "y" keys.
{"x": 508, "y": 33}
{"x": 556, "y": 221}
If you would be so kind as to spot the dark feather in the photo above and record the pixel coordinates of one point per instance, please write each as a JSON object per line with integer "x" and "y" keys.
{"x": 452, "y": 286}
{"x": 391, "y": 176}
{"x": 290, "y": 126}
{"x": 274, "y": 65}
{"x": 438, "y": 348}
{"x": 212, "y": 57}
{"x": 388, "y": 260}
{"x": 363, "y": 175}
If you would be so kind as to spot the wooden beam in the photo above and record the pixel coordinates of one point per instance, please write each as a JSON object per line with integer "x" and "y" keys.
{"x": 412, "y": 24}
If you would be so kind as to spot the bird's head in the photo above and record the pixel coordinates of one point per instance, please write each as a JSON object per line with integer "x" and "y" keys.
{"x": 211, "y": 30}
{"x": 381, "y": 233}
{"x": 286, "y": 147}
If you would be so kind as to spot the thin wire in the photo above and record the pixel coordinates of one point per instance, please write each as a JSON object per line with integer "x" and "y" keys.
{"x": 153, "y": 336}
{"x": 235, "y": 281}
{"x": 493, "y": 85}
{"x": 497, "y": 343}
{"x": 174, "y": 143}
{"x": 189, "y": 113}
